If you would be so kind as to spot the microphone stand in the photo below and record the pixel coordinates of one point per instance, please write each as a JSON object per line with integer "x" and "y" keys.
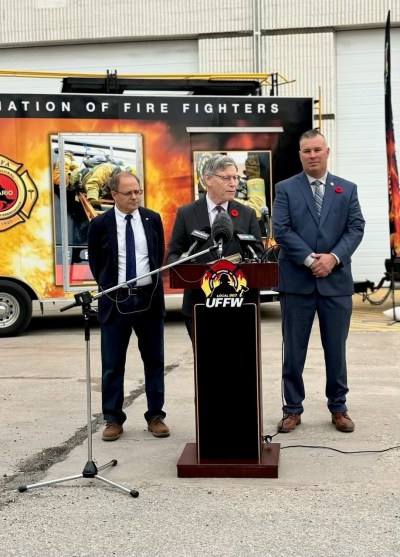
{"x": 90, "y": 470}
{"x": 84, "y": 299}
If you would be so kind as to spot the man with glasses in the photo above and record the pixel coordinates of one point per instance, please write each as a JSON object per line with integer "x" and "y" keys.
{"x": 125, "y": 242}
{"x": 220, "y": 176}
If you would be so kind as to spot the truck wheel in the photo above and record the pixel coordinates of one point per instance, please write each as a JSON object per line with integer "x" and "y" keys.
{"x": 15, "y": 309}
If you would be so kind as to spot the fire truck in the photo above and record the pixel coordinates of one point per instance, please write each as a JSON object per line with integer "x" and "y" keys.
{"x": 161, "y": 129}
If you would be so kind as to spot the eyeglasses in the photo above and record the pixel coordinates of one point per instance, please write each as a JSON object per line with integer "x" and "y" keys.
{"x": 227, "y": 178}
{"x": 136, "y": 193}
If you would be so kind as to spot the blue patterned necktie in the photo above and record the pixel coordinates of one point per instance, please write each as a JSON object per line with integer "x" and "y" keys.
{"x": 219, "y": 208}
{"x": 130, "y": 250}
{"x": 318, "y": 195}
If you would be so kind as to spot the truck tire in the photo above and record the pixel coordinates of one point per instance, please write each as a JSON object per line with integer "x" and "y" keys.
{"x": 15, "y": 309}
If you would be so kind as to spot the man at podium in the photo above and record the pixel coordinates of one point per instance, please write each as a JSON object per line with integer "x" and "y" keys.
{"x": 220, "y": 175}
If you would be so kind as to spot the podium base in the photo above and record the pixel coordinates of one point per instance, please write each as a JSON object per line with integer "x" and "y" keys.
{"x": 189, "y": 467}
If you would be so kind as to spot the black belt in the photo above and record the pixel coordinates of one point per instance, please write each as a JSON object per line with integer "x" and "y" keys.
{"x": 136, "y": 290}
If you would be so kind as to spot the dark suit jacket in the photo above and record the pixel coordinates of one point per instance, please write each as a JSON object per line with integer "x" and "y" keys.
{"x": 103, "y": 256}
{"x": 194, "y": 216}
{"x": 299, "y": 232}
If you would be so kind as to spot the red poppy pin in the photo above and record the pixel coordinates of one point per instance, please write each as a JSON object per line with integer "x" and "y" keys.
{"x": 234, "y": 213}
{"x": 338, "y": 189}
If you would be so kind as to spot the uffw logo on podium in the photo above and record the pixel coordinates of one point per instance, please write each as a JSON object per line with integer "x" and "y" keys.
{"x": 224, "y": 285}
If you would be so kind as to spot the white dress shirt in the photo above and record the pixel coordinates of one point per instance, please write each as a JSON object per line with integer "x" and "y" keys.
{"x": 142, "y": 253}
{"x": 212, "y": 212}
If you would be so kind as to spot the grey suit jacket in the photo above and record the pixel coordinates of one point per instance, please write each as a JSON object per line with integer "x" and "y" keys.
{"x": 299, "y": 232}
{"x": 194, "y": 216}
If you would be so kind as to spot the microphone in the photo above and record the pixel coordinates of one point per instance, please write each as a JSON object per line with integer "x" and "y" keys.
{"x": 200, "y": 237}
{"x": 222, "y": 230}
{"x": 248, "y": 239}
{"x": 265, "y": 220}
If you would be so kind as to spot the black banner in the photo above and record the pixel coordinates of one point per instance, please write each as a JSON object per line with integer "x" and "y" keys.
{"x": 392, "y": 172}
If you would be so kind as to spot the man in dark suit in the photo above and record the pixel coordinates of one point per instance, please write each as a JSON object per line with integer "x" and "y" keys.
{"x": 220, "y": 175}
{"x": 316, "y": 245}
{"x": 139, "y": 307}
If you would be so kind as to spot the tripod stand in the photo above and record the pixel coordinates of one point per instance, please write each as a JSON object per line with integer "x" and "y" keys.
{"x": 90, "y": 470}
{"x": 84, "y": 300}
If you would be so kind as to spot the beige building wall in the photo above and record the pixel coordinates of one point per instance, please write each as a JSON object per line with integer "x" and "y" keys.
{"x": 59, "y": 21}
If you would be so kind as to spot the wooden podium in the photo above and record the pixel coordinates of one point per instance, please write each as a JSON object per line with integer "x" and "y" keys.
{"x": 228, "y": 373}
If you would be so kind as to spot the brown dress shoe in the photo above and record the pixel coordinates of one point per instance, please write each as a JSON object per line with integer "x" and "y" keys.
{"x": 112, "y": 431}
{"x": 343, "y": 422}
{"x": 157, "y": 426}
{"x": 289, "y": 423}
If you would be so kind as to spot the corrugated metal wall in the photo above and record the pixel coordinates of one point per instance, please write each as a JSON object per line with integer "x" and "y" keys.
{"x": 309, "y": 14}
{"x": 41, "y": 20}
{"x": 306, "y": 60}
{"x": 227, "y": 54}
{"x": 35, "y": 21}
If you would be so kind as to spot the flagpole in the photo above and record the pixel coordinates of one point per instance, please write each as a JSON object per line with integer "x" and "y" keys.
{"x": 392, "y": 170}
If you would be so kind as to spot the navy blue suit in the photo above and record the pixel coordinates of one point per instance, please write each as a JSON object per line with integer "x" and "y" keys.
{"x": 299, "y": 232}
{"x": 119, "y": 313}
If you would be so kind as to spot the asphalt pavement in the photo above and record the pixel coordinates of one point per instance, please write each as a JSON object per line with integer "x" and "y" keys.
{"x": 335, "y": 494}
